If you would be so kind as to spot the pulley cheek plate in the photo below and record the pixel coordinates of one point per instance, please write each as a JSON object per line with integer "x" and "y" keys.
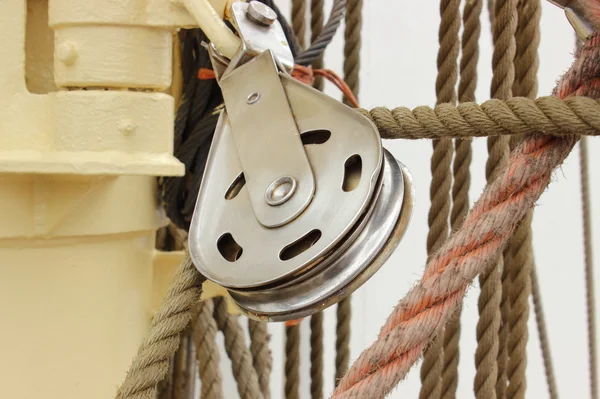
{"x": 227, "y": 242}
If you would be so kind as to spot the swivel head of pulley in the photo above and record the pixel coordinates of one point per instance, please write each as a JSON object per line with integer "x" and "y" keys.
{"x": 299, "y": 204}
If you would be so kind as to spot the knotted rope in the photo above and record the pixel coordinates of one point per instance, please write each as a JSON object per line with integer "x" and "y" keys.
{"x": 472, "y": 249}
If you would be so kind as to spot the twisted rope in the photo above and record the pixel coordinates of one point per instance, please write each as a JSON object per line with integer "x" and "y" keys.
{"x": 342, "y": 338}
{"x": 543, "y": 334}
{"x": 472, "y": 249}
{"x": 235, "y": 346}
{"x": 320, "y": 43}
{"x": 589, "y": 267}
{"x": 352, "y": 44}
{"x": 261, "y": 354}
{"x": 316, "y": 356}
{"x": 299, "y": 21}
{"x": 488, "y": 371}
{"x": 316, "y": 27}
{"x": 462, "y": 180}
{"x": 292, "y": 361}
{"x": 516, "y": 116}
{"x": 151, "y": 363}
{"x": 316, "y": 320}
{"x": 205, "y": 339}
{"x": 520, "y": 246}
{"x": 441, "y": 178}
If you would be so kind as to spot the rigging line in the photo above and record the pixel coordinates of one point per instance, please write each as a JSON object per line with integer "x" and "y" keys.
{"x": 589, "y": 266}
{"x": 235, "y": 346}
{"x": 461, "y": 179}
{"x": 490, "y": 297}
{"x": 316, "y": 320}
{"x": 540, "y": 319}
{"x": 319, "y": 45}
{"x": 520, "y": 260}
{"x": 352, "y": 45}
{"x": 441, "y": 179}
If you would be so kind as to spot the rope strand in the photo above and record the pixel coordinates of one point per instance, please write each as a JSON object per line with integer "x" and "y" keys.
{"x": 205, "y": 339}
{"x": 292, "y": 361}
{"x": 543, "y": 334}
{"x": 235, "y": 346}
{"x": 441, "y": 179}
{"x": 261, "y": 354}
{"x": 151, "y": 363}
{"x": 589, "y": 267}
{"x": 462, "y": 179}
{"x": 520, "y": 246}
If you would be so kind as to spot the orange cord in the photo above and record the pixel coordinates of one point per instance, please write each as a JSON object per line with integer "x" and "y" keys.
{"x": 305, "y": 75}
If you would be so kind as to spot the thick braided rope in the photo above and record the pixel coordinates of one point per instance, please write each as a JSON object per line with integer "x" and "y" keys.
{"x": 538, "y": 309}
{"x": 520, "y": 246}
{"x": 470, "y": 250}
{"x": 207, "y": 351}
{"x": 516, "y": 116}
{"x": 261, "y": 354}
{"x": 316, "y": 356}
{"x": 299, "y": 21}
{"x": 490, "y": 298}
{"x": 292, "y": 362}
{"x": 238, "y": 352}
{"x": 462, "y": 179}
{"x": 441, "y": 178}
{"x": 589, "y": 267}
{"x": 151, "y": 363}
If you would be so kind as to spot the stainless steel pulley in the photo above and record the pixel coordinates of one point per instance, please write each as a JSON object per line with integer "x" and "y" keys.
{"x": 299, "y": 203}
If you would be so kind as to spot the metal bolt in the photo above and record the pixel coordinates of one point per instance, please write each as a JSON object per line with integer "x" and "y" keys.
{"x": 281, "y": 190}
{"x": 252, "y": 98}
{"x": 261, "y": 13}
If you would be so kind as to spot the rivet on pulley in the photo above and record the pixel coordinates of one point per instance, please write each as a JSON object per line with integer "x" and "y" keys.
{"x": 252, "y": 98}
{"x": 280, "y": 190}
{"x": 299, "y": 204}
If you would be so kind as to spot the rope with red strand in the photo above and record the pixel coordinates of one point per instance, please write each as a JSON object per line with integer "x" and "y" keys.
{"x": 474, "y": 247}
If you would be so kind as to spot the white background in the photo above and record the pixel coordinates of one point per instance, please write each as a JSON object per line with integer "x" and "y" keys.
{"x": 399, "y": 52}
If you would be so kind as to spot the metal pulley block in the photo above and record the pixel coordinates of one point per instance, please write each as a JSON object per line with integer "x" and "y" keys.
{"x": 299, "y": 203}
